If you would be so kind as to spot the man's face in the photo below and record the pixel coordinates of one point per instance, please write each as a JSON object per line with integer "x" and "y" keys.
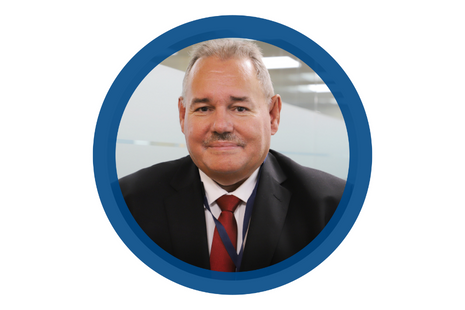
{"x": 227, "y": 121}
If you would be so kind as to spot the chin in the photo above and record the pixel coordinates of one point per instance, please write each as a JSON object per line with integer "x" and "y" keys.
{"x": 223, "y": 169}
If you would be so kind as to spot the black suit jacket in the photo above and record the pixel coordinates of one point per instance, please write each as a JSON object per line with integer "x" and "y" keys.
{"x": 293, "y": 204}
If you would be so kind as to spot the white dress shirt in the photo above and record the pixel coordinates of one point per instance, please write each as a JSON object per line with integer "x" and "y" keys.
{"x": 213, "y": 191}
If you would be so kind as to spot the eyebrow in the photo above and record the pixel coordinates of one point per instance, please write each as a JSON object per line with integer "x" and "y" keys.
{"x": 200, "y": 100}
{"x": 240, "y": 99}
{"x": 231, "y": 98}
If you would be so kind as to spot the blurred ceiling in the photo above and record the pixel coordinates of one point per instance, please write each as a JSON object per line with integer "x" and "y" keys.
{"x": 297, "y": 86}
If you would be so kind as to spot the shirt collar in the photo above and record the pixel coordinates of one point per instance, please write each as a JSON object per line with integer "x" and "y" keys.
{"x": 213, "y": 191}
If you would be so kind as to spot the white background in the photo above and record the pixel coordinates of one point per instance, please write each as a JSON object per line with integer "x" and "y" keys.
{"x": 59, "y": 251}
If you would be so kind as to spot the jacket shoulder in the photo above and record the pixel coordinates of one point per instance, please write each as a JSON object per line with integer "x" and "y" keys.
{"x": 315, "y": 182}
{"x": 157, "y": 176}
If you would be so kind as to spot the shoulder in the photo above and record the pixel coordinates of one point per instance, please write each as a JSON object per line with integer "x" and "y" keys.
{"x": 157, "y": 176}
{"x": 309, "y": 180}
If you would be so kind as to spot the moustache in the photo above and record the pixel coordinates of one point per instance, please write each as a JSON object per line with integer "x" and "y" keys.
{"x": 227, "y": 136}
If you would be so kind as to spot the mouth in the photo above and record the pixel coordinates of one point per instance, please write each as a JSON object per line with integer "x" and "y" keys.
{"x": 223, "y": 145}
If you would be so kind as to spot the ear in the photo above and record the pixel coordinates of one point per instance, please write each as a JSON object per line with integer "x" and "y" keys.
{"x": 182, "y": 113}
{"x": 275, "y": 113}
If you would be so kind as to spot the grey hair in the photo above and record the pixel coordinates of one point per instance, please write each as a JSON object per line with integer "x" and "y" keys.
{"x": 229, "y": 48}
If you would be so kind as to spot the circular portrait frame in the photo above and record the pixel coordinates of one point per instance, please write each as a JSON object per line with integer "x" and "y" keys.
{"x": 360, "y": 154}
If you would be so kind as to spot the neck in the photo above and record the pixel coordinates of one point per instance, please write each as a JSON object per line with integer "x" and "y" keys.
{"x": 232, "y": 187}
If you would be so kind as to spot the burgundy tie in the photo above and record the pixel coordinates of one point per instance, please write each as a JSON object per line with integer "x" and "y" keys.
{"x": 219, "y": 257}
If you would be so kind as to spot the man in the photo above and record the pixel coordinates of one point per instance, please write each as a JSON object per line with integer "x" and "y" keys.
{"x": 228, "y": 113}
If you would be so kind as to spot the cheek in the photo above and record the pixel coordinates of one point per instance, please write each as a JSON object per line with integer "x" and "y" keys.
{"x": 257, "y": 130}
{"x": 195, "y": 131}
{"x": 262, "y": 135}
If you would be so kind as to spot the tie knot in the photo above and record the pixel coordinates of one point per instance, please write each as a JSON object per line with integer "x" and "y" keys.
{"x": 228, "y": 202}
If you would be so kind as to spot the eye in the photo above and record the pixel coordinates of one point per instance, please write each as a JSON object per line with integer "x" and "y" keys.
{"x": 202, "y": 109}
{"x": 241, "y": 109}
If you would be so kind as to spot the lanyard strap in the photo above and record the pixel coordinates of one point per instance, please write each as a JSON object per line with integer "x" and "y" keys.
{"x": 236, "y": 258}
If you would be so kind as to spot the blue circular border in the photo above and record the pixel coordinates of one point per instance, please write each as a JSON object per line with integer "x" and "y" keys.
{"x": 232, "y": 27}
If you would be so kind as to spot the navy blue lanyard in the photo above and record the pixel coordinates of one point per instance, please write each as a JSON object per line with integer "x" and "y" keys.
{"x": 236, "y": 258}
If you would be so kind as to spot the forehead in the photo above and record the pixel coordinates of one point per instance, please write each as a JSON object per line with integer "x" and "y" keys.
{"x": 212, "y": 62}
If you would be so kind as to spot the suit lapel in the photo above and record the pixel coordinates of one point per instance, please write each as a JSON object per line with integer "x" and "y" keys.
{"x": 268, "y": 216}
{"x": 186, "y": 217}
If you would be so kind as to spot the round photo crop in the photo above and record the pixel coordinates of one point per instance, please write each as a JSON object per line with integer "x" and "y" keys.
{"x": 323, "y": 126}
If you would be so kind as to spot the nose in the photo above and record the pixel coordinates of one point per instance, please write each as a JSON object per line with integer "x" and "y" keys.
{"x": 222, "y": 121}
